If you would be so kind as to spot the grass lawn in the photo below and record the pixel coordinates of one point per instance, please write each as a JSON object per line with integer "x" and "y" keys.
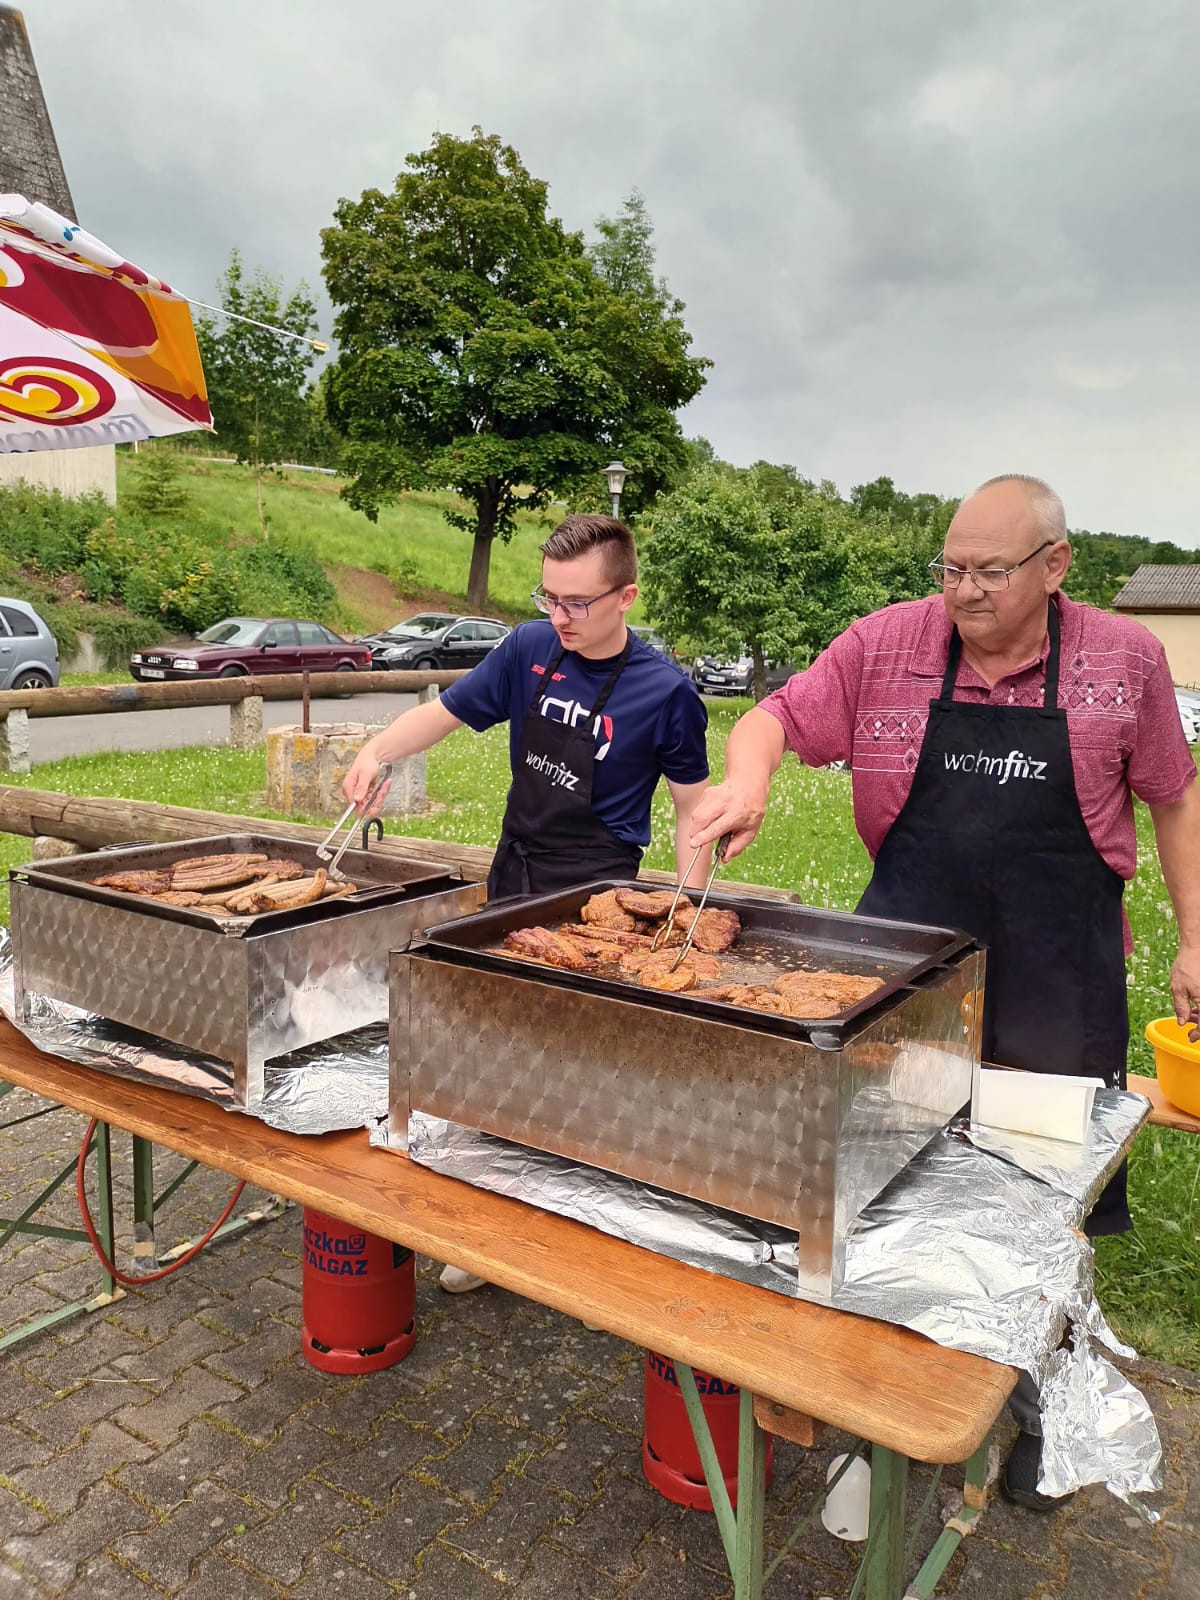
{"x": 411, "y": 537}
{"x": 1149, "y": 1278}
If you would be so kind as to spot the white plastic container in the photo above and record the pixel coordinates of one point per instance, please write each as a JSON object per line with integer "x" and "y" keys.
{"x": 847, "y": 1509}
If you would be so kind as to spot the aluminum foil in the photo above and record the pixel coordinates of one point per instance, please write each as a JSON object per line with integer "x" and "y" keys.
{"x": 964, "y": 1246}
{"x": 340, "y": 1083}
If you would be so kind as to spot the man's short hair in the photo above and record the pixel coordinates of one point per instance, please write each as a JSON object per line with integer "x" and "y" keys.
{"x": 1043, "y": 502}
{"x": 576, "y": 535}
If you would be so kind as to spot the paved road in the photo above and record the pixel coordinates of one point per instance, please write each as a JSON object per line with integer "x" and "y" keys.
{"x": 52, "y": 738}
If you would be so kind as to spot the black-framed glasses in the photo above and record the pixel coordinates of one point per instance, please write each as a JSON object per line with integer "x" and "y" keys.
{"x": 550, "y": 603}
{"x": 982, "y": 577}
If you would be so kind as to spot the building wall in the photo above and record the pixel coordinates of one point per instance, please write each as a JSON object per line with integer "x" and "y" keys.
{"x": 71, "y": 472}
{"x": 1179, "y": 632}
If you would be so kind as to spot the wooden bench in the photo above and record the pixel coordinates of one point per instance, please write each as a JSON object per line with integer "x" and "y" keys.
{"x": 914, "y": 1400}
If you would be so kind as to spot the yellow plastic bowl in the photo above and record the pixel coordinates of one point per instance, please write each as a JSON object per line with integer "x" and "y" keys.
{"x": 1177, "y": 1062}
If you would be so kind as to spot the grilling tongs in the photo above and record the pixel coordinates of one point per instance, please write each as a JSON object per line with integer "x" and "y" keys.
{"x": 325, "y": 848}
{"x": 669, "y": 921}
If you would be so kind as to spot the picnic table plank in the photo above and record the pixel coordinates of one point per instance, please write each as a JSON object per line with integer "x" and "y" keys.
{"x": 870, "y": 1378}
{"x": 1163, "y": 1114}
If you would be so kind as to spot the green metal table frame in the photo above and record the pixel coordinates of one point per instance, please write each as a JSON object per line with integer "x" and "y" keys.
{"x": 891, "y": 1546}
{"x": 146, "y": 1205}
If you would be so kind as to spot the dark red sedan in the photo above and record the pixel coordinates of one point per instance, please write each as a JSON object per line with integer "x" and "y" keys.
{"x": 243, "y": 646}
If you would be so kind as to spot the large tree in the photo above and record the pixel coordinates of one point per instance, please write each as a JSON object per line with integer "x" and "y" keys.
{"x": 481, "y": 348}
{"x": 256, "y": 378}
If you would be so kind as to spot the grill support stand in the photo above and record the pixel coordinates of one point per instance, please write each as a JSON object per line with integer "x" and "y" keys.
{"x": 145, "y": 1206}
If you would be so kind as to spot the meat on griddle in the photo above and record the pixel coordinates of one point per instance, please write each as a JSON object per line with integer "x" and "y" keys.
{"x": 716, "y": 930}
{"x": 651, "y": 964}
{"x": 819, "y": 995}
{"x": 540, "y": 944}
{"x": 602, "y": 911}
{"x": 653, "y": 904}
{"x": 218, "y": 872}
{"x": 135, "y": 882}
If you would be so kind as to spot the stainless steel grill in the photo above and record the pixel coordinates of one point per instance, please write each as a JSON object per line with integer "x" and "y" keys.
{"x": 242, "y": 989}
{"x": 798, "y": 1123}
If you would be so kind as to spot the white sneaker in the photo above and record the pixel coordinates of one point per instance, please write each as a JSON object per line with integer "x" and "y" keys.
{"x": 457, "y": 1281}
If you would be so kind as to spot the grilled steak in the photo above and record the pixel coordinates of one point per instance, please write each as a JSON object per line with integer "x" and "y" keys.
{"x": 817, "y": 995}
{"x": 281, "y": 870}
{"x": 602, "y": 911}
{"x": 653, "y": 904}
{"x": 750, "y": 996}
{"x": 134, "y": 882}
{"x": 614, "y": 936}
{"x": 716, "y": 930}
{"x": 539, "y": 944}
{"x": 654, "y": 964}
{"x": 676, "y": 982}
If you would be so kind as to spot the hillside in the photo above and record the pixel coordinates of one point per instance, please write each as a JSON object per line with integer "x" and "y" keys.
{"x": 410, "y": 560}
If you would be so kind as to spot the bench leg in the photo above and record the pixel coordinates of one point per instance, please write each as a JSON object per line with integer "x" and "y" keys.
{"x": 741, "y": 1530}
{"x": 883, "y": 1562}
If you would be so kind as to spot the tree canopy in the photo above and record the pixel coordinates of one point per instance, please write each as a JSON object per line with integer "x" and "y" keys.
{"x": 482, "y": 348}
{"x": 257, "y": 380}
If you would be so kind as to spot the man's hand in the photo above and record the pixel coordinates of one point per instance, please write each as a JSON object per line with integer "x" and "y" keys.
{"x": 356, "y": 785}
{"x": 733, "y": 808}
{"x": 1185, "y": 989}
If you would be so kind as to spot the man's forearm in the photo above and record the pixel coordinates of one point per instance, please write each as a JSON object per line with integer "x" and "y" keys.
{"x": 412, "y": 732}
{"x": 1177, "y": 834}
{"x": 755, "y": 750}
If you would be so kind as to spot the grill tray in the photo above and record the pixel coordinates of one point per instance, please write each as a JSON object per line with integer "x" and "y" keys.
{"x": 387, "y": 879}
{"x": 776, "y": 937}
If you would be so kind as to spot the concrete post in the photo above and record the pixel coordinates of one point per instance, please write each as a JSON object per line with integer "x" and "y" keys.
{"x": 428, "y": 693}
{"x": 14, "y": 741}
{"x": 246, "y": 723}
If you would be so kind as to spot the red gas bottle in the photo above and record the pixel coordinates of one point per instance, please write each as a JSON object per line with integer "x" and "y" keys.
{"x": 359, "y": 1297}
{"x": 670, "y": 1459}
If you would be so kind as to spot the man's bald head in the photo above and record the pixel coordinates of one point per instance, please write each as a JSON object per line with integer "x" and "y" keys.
{"x": 1037, "y": 495}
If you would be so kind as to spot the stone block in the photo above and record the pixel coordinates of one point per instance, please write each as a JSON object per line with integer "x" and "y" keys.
{"x": 46, "y": 848}
{"x": 305, "y": 771}
{"x": 246, "y": 723}
{"x": 14, "y": 741}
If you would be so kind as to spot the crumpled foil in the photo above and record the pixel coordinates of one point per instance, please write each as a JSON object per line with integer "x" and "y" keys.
{"x": 964, "y": 1246}
{"x": 340, "y": 1083}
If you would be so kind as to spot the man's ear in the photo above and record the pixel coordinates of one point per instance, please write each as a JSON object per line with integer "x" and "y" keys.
{"x": 1058, "y": 563}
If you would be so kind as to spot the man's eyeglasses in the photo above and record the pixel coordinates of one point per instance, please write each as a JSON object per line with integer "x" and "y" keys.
{"x": 982, "y": 577}
{"x": 550, "y": 603}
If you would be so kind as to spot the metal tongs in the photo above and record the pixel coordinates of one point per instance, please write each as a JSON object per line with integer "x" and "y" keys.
{"x": 718, "y": 860}
{"x": 325, "y": 848}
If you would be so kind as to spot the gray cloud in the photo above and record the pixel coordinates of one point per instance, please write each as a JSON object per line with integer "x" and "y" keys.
{"x": 936, "y": 240}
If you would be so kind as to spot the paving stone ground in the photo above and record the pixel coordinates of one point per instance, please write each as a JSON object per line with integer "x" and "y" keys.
{"x": 178, "y": 1444}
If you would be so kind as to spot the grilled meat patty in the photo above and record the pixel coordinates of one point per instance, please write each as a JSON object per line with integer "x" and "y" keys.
{"x": 540, "y": 944}
{"x": 135, "y": 882}
{"x": 653, "y": 904}
{"x": 716, "y": 930}
{"x": 823, "y": 994}
{"x": 602, "y": 911}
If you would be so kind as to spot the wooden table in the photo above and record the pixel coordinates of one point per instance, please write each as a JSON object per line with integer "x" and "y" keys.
{"x": 911, "y": 1398}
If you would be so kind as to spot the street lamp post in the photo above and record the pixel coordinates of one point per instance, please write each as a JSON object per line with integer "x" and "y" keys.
{"x": 616, "y": 474}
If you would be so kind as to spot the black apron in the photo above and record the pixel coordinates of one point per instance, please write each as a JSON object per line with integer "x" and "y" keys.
{"x": 991, "y": 840}
{"x": 551, "y": 837}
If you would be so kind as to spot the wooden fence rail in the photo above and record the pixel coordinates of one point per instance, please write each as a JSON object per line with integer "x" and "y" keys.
{"x": 243, "y": 696}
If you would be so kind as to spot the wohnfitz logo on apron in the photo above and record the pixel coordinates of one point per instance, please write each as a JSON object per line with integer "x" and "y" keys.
{"x": 1014, "y": 765}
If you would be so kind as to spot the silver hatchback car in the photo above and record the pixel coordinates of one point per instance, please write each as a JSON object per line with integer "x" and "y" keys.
{"x": 28, "y": 650}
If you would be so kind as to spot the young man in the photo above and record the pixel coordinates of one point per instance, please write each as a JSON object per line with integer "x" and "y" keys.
{"x": 595, "y": 718}
{"x": 997, "y": 733}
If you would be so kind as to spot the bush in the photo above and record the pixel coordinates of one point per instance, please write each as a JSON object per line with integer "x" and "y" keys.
{"x": 158, "y": 488}
{"x": 283, "y": 580}
{"x": 40, "y": 528}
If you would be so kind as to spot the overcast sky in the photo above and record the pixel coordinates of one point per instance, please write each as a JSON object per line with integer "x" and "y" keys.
{"x": 937, "y": 239}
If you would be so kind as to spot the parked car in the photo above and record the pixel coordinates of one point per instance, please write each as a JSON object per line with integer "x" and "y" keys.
{"x": 1188, "y": 701}
{"x": 436, "y": 643}
{"x": 654, "y": 640}
{"x": 28, "y": 650}
{"x": 720, "y": 675}
{"x": 253, "y": 645}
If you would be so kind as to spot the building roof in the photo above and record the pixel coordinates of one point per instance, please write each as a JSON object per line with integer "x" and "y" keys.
{"x": 1162, "y": 588}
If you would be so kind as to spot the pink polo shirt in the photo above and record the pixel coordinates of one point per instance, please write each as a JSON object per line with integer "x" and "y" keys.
{"x": 866, "y": 700}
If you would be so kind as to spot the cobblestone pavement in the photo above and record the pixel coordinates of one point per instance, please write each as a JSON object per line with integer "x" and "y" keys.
{"x": 177, "y": 1443}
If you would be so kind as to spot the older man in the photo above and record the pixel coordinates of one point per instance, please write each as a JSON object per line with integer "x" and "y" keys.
{"x": 997, "y": 734}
